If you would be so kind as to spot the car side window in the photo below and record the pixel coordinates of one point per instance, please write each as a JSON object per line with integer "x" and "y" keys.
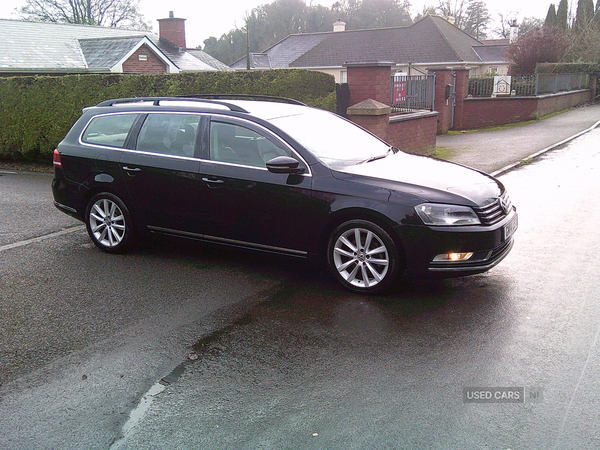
{"x": 109, "y": 130}
{"x": 237, "y": 144}
{"x": 169, "y": 134}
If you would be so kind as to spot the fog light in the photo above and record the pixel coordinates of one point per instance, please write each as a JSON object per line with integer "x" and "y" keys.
{"x": 453, "y": 257}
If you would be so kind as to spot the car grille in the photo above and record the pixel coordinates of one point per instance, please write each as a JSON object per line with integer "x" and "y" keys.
{"x": 495, "y": 211}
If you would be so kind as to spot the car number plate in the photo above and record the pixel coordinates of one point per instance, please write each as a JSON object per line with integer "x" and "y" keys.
{"x": 509, "y": 229}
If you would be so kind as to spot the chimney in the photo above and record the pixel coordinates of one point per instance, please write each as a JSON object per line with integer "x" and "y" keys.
{"x": 172, "y": 30}
{"x": 514, "y": 31}
{"x": 339, "y": 26}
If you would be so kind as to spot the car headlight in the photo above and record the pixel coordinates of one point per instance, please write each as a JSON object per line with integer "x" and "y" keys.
{"x": 445, "y": 215}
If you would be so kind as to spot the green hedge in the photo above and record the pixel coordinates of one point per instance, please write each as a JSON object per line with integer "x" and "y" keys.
{"x": 589, "y": 68}
{"x": 36, "y": 112}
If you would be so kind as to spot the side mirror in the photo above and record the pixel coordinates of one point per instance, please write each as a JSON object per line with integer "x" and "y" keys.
{"x": 284, "y": 164}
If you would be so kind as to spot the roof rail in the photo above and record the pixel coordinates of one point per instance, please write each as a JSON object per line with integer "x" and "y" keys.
{"x": 156, "y": 101}
{"x": 246, "y": 97}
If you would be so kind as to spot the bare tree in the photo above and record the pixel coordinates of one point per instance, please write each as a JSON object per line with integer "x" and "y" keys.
{"x": 110, "y": 13}
{"x": 455, "y": 9}
{"x": 427, "y": 11}
{"x": 503, "y": 31}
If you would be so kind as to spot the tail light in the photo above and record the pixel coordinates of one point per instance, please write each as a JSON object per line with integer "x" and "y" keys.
{"x": 56, "y": 159}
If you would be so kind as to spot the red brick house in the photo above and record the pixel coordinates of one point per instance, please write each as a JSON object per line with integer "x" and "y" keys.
{"x": 29, "y": 48}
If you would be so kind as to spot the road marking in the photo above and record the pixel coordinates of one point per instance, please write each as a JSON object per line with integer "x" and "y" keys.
{"x": 41, "y": 238}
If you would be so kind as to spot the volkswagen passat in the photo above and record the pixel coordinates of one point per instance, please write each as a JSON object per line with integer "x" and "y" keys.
{"x": 278, "y": 177}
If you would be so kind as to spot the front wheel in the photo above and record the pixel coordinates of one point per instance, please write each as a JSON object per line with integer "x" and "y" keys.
{"x": 362, "y": 256}
{"x": 109, "y": 223}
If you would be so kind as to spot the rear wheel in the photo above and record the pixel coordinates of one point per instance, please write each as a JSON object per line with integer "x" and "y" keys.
{"x": 109, "y": 223}
{"x": 362, "y": 256}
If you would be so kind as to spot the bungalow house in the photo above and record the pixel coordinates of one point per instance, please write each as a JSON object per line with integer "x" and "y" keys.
{"x": 430, "y": 42}
{"x": 32, "y": 48}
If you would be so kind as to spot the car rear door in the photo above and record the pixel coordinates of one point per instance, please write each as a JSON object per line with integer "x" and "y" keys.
{"x": 161, "y": 171}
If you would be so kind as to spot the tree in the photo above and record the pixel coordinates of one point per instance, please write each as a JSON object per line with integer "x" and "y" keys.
{"x": 505, "y": 21}
{"x": 551, "y": 19}
{"x": 586, "y": 47}
{"x": 542, "y": 45}
{"x": 477, "y": 20}
{"x": 229, "y": 47}
{"x": 109, "y": 13}
{"x": 427, "y": 11}
{"x": 381, "y": 14}
{"x": 455, "y": 9}
{"x": 585, "y": 14}
{"x": 270, "y": 23}
{"x": 529, "y": 24}
{"x": 562, "y": 15}
{"x": 286, "y": 17}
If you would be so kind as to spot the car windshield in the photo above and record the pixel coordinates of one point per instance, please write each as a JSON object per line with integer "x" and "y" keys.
{"x": 335, "y": 141}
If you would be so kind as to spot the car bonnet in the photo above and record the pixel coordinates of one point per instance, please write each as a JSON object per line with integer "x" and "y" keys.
{"x": 435, "y": 180}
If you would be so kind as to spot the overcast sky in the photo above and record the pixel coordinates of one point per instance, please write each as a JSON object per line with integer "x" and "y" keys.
{"x": 207, "y": 18}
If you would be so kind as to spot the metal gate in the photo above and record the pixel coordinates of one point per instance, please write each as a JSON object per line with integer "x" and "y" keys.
{"x": 410, "y": 93}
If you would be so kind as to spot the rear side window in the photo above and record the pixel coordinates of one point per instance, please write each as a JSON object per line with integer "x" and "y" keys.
{"x": 110, "y": 130}
{"x": 169, "y": 134}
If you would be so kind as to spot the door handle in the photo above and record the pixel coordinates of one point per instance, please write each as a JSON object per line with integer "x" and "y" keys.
{"x": 212, "y": 181}
{"x": 132, "y": 169}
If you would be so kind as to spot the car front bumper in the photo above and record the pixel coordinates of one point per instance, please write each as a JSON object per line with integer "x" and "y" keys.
{"x": 488, "y": 244}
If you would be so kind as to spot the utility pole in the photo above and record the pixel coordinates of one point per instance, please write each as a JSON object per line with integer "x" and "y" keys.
{"x": 247, "y": 46}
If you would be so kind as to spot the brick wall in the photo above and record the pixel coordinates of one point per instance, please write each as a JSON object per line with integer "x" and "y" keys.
{"x": 370, "y": 93}
{"x": 414, "y": 133}
{"x": 487, "y": 112}
{"x": 553, "y": 103}
{"x": 152, "y": 64}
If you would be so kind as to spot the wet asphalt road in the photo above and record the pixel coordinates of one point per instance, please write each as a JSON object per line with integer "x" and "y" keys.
{"x": 287, "y": 360}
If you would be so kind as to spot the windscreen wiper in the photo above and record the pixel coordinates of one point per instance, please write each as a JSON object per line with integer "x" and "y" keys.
{"x": 375, "y": 158}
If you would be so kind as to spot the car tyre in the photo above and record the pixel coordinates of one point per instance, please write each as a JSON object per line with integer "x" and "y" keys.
{"x": 362, "y": 256}
{"x": 109, "y": 223}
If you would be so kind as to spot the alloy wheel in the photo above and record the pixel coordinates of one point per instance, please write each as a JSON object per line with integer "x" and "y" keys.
{"x": 107, "y": 223}
{"x": 361, "y": 258}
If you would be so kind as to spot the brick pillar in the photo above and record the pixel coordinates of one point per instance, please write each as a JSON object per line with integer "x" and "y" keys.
{"x": 373, "y": 116}
{"x": 462, "y": 90}
{"x": 370, "y": 80}
{"x": 442, "y": 105}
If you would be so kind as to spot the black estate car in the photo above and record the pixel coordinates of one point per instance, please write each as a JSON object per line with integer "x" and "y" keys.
{"x": 278, "y": 177}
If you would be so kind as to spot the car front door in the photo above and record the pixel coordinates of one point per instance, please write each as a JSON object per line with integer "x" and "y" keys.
{"x": 244, "y": 203}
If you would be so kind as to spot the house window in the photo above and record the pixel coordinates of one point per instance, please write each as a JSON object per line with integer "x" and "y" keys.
{"x": 343, "y": 76}
{"x": 142, "y": 57}
{"x": 493, "y": 70}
